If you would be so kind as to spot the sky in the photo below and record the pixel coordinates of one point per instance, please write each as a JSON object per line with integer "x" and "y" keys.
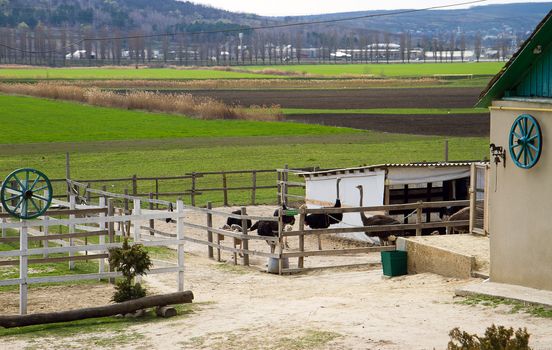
{"x": 311, "y": 7}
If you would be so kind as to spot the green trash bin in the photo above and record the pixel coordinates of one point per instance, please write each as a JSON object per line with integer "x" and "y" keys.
{"x": 394, "y": 263}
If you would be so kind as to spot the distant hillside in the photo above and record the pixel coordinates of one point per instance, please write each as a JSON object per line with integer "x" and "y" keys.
{"x": 489, "y": 19}
{"x": 147, "y": 15}
{"x": 163, "y": 15}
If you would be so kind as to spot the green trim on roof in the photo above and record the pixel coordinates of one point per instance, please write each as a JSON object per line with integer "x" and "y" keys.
{"x": 517, "y": 68}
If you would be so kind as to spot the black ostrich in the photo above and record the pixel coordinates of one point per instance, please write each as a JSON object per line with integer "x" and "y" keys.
{"x": 233, "y": 221}
{"x": 461, "y": 215}
{"x": 321, "y": 221}
{"x": 378, "y": 220}
{"x": 270, "y": 228}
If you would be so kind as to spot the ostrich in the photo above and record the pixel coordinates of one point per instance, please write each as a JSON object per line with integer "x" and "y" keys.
{"x": 463, "y": 214}
{"x": 378, "y": 220}
{"x": 321, "y": 221}
{"x": 233, "y": 224}
{"x": 270, "y": 228}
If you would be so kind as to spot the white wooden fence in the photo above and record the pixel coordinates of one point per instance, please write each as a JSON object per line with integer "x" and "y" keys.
{"x": 28, "y": 229}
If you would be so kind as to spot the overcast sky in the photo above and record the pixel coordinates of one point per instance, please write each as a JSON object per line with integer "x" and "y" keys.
{"x": 309, "y": 7}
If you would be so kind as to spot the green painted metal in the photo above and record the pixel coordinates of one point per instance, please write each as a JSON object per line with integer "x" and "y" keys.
{"x": 26, "y": 193}
{"x": 528, "y": 71}
{"x": 291, "y": 212}
{"x": 525, "y": 141}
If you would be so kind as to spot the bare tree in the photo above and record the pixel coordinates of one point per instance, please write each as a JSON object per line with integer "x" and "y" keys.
{"x": 408, "y": 45}
{"x": 402, "y": 43}
{"x": 462, "y": 46}
{"x": 387, "y": 41}
{"x": 477, "y": 46}
{"x": 452, "y": 45}
{"x": 298, "y": 46}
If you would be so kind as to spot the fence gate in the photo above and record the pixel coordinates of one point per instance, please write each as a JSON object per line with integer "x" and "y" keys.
{"x": 478, "y": 199}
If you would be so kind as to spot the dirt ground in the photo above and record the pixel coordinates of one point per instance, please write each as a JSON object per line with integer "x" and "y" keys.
{"x": 350, "y": 98}
{"x": 243, "y": 308}
{"x": 442, "y": 125}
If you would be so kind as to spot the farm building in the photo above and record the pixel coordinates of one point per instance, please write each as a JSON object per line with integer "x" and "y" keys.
{"x": 520, "y": 188}
{"x": 392, "y": 184}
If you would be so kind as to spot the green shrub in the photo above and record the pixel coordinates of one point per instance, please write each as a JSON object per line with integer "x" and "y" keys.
{"x": 496, "y": 338}
{"x": 131, "y": 261}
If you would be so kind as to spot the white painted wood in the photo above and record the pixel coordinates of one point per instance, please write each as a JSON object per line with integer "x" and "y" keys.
{"x": 180, "y": 236}
{"x": 102, "y": 226}
{"x": 137, "y": 211}
{"x": 23, "y": 270}
{"x": 45, "y": 242}
{"x": 72, "y": 205}
{"x": 90, "y": 247}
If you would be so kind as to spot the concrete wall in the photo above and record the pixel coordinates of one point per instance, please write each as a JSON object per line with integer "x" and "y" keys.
{"x": 520, "y": 204}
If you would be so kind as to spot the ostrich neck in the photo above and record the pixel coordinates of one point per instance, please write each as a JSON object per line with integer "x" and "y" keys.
{"x": 337, "y": 190}
{"x": 362, "y": 215}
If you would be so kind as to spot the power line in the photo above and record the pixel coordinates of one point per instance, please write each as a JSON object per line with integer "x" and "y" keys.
{"x": 241, "y": 29}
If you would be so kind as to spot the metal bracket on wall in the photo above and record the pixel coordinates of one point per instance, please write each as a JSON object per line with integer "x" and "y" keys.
{"x": 499, "y": 154}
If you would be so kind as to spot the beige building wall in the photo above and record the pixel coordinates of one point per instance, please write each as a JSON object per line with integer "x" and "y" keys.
{"x": 520, "y": 204}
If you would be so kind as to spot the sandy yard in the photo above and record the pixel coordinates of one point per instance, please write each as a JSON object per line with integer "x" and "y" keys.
{"x": 243, "y": 308}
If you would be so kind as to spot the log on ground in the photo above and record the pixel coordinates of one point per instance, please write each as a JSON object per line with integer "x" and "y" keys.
{"x": 100, "y": 311}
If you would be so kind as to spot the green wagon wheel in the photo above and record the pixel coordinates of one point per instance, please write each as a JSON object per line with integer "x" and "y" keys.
{"x": 525, "y": 142}
{"x": 26, "y": 193}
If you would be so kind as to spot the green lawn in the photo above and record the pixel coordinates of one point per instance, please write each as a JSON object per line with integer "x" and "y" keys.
{"x": 33, "y": 120}
{"x": 391, "y": 70}
{"x": 405, "y": 111}
{"x": 125, "y": 73}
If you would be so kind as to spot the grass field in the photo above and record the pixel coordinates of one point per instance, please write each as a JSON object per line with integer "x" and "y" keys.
{"x": 391, "y": 70}
{"x": 26, "y": 120}
{"x": 240, "y": 72}
{"x": 125, "y": 73}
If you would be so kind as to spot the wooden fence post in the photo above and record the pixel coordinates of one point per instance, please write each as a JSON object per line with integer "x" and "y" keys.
{"x": 419, "y": 212}
{"x": 46, "y": 229}
{"x": 180, "y": 236}
{"x": 280, "y": 240}
{"x": 285, "y": 187}
{"x": 209, "y": 232}
{"x": 23, "y": 269}
{"x": 134, "y": 185}
{"x": 279, "y": 187}
{"x": 245, "y": 242}
{"x": 71, "y": 228}
{"x": 110, "y": 229}
{"x": 151, "y": 222}
{"x": 157, "y": 191}
{"x": 225, "y": 189}
{"x": 192, "y": 194}
{"x": 87, "y": 194}
{"x": 126, "y": 211}
{"x": 254, "y": 187}
{"x": 136, "y": 210}
{"x": 301, "y": 260}
{"x": 473, "y": 196}
{"x": 67, "y": 175}
{"x": 101, "y": 267}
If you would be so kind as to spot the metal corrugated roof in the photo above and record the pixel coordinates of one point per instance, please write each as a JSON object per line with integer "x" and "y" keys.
{"x": 391, "y": 165}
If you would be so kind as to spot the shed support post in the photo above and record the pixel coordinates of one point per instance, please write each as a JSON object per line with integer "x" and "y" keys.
{"x": 419, "y": 219}
{"x": 301, "y": 260}
{"x": 102, "y": 227}
{"x": 137, "y": 210}
{"x": 473, "y": 196}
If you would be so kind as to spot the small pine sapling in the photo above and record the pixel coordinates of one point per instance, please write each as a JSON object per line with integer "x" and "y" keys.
{"x": 131, "y": 261}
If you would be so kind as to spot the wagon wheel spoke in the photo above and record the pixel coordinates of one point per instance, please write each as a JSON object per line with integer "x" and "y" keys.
{"x": 40, "y": 197}
{"x": 532, "y": 138}
{"x": 519, "y": 154}
{"x": 21, "y": 187}
{"x": 40, "y": 188}
{"x": 34, "y": 204}
{"x": 34, "y": 183}
{"x": 533, "y": 147}
{"x": 518, "y": 136}
{"x": 18, "y": 203}
{"x": 12, "y": 198}
{"x": 530, "y": 132}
